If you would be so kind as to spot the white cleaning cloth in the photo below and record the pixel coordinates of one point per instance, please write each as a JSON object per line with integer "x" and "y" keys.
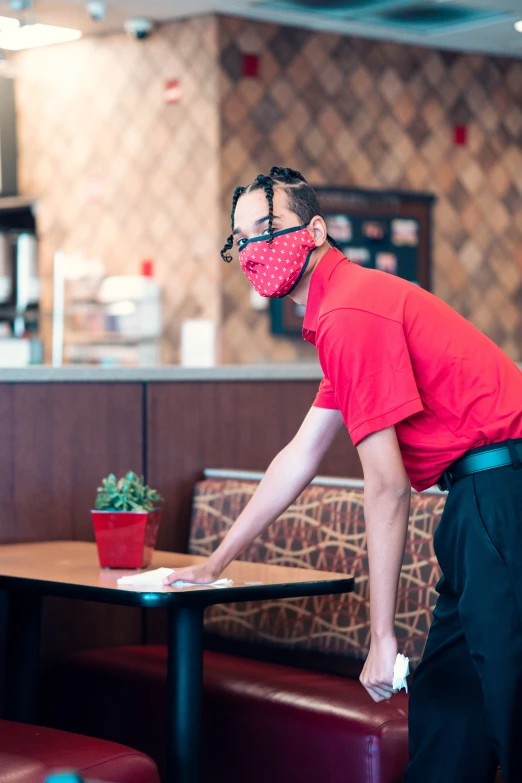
{"x": 158, "y": 576}
{"x": 400, "y": 672}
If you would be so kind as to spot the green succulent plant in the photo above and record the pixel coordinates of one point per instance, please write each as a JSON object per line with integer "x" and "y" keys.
{"x": 126, "y": 494}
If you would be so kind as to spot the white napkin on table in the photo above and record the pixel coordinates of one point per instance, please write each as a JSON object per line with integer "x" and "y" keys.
{"x": 158, "y": 576}
{"x": 400, "y": 672}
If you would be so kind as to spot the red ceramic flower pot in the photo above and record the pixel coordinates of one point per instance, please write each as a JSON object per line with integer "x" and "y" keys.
{"x": 125, "y": 539}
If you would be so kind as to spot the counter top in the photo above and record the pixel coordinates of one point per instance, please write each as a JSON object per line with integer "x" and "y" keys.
{"x": 172, "y": 374}
{"x": 167, "y": 374}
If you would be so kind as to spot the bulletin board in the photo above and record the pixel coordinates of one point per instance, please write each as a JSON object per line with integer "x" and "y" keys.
{"x": 386, "y": 230}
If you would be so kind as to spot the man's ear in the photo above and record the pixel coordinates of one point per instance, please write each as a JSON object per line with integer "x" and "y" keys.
{"x": 317, "y": 228}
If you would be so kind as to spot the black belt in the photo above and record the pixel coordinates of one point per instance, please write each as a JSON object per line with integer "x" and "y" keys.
{"x": 497, "y": 455}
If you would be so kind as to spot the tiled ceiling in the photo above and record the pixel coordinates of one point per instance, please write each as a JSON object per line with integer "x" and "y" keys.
{"x": 492, "y": 30}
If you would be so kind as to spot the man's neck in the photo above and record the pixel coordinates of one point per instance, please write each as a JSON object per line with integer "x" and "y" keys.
{"x": 300, "y": 293}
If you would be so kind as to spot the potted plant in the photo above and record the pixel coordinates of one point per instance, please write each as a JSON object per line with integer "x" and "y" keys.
{"x": 126, "y": 519}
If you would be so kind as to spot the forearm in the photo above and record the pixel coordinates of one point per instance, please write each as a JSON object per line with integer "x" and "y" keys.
{"x": 286, "y": 477}
{"x": 386, "y": 512}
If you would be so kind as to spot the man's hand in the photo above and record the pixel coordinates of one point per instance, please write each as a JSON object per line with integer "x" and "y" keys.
{"x": 377, "y": 674}
{"x": 202, "y": 574}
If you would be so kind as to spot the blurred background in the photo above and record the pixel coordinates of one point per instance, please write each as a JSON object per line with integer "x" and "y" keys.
{"x": 126, "y": 125}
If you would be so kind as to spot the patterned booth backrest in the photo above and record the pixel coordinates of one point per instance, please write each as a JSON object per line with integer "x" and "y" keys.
{"x": 324, "y": 529}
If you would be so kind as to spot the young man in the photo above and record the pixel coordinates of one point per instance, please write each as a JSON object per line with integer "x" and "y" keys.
{"x": 426, "y": 398}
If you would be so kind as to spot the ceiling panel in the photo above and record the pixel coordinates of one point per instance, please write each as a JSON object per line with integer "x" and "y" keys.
{"x": 495, "y": 35}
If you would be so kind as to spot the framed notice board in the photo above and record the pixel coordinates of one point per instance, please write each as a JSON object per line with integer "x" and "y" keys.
{"x": 386, "y": 230}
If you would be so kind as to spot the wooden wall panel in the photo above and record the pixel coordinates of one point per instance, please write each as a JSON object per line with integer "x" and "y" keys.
{"x": 192, "y": 426}
{"x": 57, "y": 440}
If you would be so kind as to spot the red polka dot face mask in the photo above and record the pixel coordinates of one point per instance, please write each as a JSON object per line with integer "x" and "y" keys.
{"x": 274, "y": 265}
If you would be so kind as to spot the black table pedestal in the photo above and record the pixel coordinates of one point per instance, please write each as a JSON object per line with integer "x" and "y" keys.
{"x": 184, "y": 690}
{"x": 22, "y": 614}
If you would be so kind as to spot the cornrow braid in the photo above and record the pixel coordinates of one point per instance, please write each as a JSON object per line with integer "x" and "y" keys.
{"x": 268, "y": 186}
{"x": 225, "y": 255}
{"x": 286, "y": 174}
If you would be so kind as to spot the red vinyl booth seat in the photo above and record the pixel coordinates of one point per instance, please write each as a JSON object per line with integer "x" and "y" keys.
{"x": 29, "y": 753}
{"x": 263, "y": 721}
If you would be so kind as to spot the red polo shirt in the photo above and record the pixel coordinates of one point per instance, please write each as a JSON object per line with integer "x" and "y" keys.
{"x": 393, "y": 354}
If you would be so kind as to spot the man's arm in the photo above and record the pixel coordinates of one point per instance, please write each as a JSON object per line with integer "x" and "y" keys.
{"x": 288, "y": 474}
{"x": 387, "y": 495}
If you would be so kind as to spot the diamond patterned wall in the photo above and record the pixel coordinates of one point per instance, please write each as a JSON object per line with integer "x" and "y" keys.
{"x": 355, "y": 112}
{"x": 119, "y": 174}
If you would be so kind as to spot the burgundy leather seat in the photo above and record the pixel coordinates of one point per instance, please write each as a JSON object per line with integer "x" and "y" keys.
{"x": 263, "y": 721}
{"x": 28, "y": 753}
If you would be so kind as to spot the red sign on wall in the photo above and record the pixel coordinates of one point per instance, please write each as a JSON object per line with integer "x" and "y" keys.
{"x": 250, "y": 65}
{"x": 172, "y": 92}
{"x": 460, "y": 135}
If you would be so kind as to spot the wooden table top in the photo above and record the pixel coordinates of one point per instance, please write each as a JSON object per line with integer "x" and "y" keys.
{"x": 71, "y": 569}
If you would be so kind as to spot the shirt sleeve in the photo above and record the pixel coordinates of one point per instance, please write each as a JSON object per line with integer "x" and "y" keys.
{"x": 325, "y": 396}
{"x": 367, "y": 361}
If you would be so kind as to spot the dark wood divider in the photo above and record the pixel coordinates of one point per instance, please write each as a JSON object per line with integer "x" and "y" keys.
{"x": 57, "y": 440}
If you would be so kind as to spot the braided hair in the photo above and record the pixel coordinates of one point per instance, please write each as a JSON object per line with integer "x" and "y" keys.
{"x": 262, "y": 181}
{"x": 229, "y": 244}
{"x": 286, "y": 174}
{"x": 302, "y": 199}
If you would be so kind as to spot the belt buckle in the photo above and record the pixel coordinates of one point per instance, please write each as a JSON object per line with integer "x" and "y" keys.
{"x": 446, "y": 481}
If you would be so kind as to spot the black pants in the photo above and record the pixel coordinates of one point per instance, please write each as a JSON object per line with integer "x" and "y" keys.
{"x": 465, "y": 712}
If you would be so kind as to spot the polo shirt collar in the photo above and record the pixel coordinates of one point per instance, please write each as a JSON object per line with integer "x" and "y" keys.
{"x": 320, "y": 277}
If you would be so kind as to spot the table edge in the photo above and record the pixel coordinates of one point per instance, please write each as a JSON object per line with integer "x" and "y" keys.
{"x": 173, "y": 600}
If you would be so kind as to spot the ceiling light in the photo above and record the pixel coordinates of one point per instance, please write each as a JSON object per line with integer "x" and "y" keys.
{"x": 32, "y": 35}
{"x": 8, "y": 23}
{"x": 518, "y": 26}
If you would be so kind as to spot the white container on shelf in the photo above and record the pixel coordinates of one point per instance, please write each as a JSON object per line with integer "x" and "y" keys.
{"x": 198, "y": 343}
{"x": 132, "y": 306}
{"x": 16, "y": 352}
